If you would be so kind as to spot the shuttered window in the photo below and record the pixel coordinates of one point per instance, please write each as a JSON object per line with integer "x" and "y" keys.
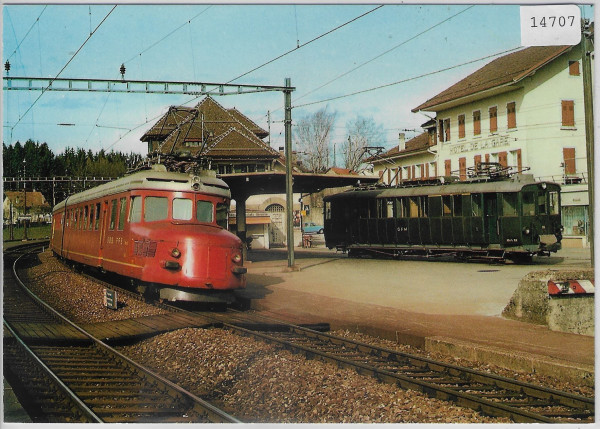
{"x": 448, "y": 166}
{"x": 447, "y": 130}
{"x": 477, "y": 122}
{"x": 477, "y": 161}
{"x": 462, "y": 166}
{"x": 569, "y": 160}
{"x": 493, "y": 119}
{"x": 568, "y": 113}
{"x": 574, "y": 68}
{"x": 511, "y": 114}
{"x": 461, "y": 126}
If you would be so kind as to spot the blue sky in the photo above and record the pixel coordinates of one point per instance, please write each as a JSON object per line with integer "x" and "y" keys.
{"x": 220, "y": 42}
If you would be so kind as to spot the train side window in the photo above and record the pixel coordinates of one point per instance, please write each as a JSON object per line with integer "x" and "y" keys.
{"x": 390, "y": 208}
{"x": 457, "y": 201}
{"x": 435, "y": 206}
{"x": 97, "y": 216}
{"x": 509, "y": 204}
{"x": 156, "y": 208}
{"x": 122, "y": 211}
{"x": 135, "y": 211}
{"x": 204, "y": 211}
{"x": 363, "y": 208}
{"x": 92, "y": 214}
{"x": 222, "y": 214}
{"x": 528, "y": 204}
{"x": 542, "y": 203}
{"x": 328, "y": 210}
{"x": 85, "y": 217}
{"x": 554, "y": 203}
{"x": 372, "y": 204}
{"x": 414, "y": 206}
{"x": 113, "y": 214}
{"x": 423, "y": 206}
{"x": 76, "y": 218}
{"x": 182, "y": 209}
{"x": 466, "y": 205}
{"x": 447, "y": 205}
{"x": 476, "y": 205}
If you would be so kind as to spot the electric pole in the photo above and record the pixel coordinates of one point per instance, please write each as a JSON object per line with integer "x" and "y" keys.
{"x": 586, "y": 54}
{"x": 289, "y": 195}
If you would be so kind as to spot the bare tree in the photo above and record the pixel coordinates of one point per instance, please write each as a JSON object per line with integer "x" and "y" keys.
{"x": 313, "y": 137}
{"x": 362, "y": 132}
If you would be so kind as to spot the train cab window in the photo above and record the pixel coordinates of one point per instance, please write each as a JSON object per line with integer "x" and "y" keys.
{"x": 476, "y": 209}
{"x": 204, "y": 211}
{"x": 97, "y": 216}
{"x": 122, "y": 211}
{"x": 554, "y": 203}
{"x": 157, "y": 208}
{"x": 447, "y": 205}
{"x": 509, "y": 204}
{"x": 528, "y": 204}
{"x": 222, "y": 214}
{"x": 541, "y": 200}
{"x": 327, "y": 210}
{"x": 182, "y": 209}
{"x": 135, "y": 209}
{"x": 113, "y": 214}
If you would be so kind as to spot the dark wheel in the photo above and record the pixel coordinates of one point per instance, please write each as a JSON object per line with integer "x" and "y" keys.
{"x": 521, "y": 258}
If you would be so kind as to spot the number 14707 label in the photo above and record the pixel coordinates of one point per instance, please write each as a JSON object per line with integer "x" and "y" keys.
{"x": 550, "y": 25}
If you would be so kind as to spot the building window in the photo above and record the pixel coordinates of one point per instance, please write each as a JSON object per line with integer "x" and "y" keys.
{"x": 477, "y": 122}
{"x": 569, "y": 160}
{"x": 493, "y": 119}
{"x": 568, "y": 113}
{"x": 448, "y": 167}
{"x": 574, "y": 68}
{"x": 511, "y": 114}
{"x": 503, "y": 159}
{"x": 447, "y": 130}
{"x": 461, "y": 126}
{"x": 462, "y": 168}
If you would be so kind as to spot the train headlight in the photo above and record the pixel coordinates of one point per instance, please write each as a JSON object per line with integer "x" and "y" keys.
{"x": 526, "y": 231}
{"x": 237, "y": 258}
{"x": 176, "y": 253}
{"x": 196, "y": 183}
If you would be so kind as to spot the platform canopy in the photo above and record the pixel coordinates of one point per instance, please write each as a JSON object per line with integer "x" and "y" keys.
{"x": 273, "y": 182}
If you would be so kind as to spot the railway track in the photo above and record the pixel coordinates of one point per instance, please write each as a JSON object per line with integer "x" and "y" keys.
{"x": 487, "y": 393}
{"x": 81, "y": 379}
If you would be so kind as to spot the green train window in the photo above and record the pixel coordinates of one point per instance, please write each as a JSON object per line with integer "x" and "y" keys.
{"x": 204, "y": 211}
{"x": 401, "y": 207}
{"x": 413, "y": 207}
{"x": 509, "y": 204}
{"x": 554, "y": 203}
{"x": 182, "y": 208}
{"x": 435, "y": 206}
{"x": 423, "y": 206}
{"x": 528, "y": 204}
{"x": 222, "y": 215}
{"x": 156, "y": 208}
{"x": 390, "y": 208}
{"x": 97, "y": 224}
{"x": 541, "y": 201}
{"x": 457, "y": 201}
{"x": 447, "y": 205}
{"x": 476, "y": 205}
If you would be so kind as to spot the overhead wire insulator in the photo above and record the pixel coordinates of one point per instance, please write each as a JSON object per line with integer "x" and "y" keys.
{"x": 122, "y": 70}
{"x": 7, "y": 66}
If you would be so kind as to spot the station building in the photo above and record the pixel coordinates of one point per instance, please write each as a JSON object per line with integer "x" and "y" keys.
{"x": 524, "y": 111}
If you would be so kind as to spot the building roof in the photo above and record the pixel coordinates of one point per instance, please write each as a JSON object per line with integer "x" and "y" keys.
{"x": 506, "y": 70}
{"x": 340, "y": 171}
{"x": 34, "y": 199}
{"x": 210, "y": 130}
{"x": 416, "y": 144}
{"x": 251, "y": 125}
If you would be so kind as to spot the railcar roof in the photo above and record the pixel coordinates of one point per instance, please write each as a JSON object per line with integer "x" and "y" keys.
{"x": 513, "y": 184}
{"x": 157, "y": 179}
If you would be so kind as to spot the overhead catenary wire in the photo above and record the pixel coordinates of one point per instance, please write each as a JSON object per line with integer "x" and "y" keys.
{"x": 65, "y": 66}
{"x": 27, "y": 34}
{"x": 407, "y": 79}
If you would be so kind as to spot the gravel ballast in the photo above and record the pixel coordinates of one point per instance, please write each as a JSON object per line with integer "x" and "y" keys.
{"x": 259, "y": 382}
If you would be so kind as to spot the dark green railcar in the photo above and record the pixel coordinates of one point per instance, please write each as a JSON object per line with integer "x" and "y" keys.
{"x": 513, "y": 218}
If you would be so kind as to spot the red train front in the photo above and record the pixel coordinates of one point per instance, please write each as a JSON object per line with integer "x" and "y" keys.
{"x": 166, "y": 231}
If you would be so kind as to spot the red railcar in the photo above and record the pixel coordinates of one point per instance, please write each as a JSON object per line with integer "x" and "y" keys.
{"x": 166, "y": 231}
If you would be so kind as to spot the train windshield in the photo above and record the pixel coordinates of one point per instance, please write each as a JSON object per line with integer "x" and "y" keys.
{"x": 182, "y": 209}
{"x": 204, "y": 211}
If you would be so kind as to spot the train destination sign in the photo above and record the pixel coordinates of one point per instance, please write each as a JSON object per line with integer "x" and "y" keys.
{"x": 489, "y": 143}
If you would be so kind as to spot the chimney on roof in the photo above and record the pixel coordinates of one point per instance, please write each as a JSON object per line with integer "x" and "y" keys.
{"x": 401, "y": 141}
{"x": 281, "y": 150}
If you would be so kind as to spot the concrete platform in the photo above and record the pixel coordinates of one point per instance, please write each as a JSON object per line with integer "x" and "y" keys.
{"x": 444, "y": 306}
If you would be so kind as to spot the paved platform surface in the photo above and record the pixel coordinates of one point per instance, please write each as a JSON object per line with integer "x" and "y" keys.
{"x": 418, "y": 302}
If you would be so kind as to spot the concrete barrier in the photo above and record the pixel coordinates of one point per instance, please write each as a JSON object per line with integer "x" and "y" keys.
{"x": 571, "y": 313}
